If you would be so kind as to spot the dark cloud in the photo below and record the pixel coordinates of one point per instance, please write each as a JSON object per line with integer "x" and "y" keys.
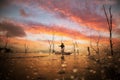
{"x": 117, "y": 5}
{"x": 12, "y": 29}
{"x": 23, "y": 13}
{"x": 4, "y": 3}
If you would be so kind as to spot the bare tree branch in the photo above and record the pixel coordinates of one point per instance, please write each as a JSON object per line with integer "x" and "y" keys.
{"x": 109, "y": 21}
{"x": 97, "y": 45}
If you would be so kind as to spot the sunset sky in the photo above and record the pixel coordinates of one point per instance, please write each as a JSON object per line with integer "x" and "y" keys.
{"x": 35, "y": 21}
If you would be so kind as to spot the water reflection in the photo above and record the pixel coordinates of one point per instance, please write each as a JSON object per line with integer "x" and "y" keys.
{"x": 73, "y": 73}
{"x": 63, "y": 66}
{"x": 52, "y": 67}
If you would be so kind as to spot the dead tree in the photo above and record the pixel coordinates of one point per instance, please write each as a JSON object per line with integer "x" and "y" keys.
{"x": 26, "y": 47}
{"x": 6, "y": 41}
{"x": 95, "y": 48}
{"x": 1, "y": 41}
{"x": 50, "y": 46}
{"x": 53, "y": 50}
{"x": 75, "y": 47}
{"x": 97, "y": 45}
{"x": 109, "y": 22}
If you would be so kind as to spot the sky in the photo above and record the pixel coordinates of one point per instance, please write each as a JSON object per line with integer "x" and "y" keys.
{"x": 69, "y": 21}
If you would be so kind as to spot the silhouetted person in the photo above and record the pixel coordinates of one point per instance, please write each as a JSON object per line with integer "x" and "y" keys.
{"x": 62, "y": 47}
{"x": 62, "y": 50}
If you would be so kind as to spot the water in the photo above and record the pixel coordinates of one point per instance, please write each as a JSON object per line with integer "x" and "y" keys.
{"x": 48, "y": 67}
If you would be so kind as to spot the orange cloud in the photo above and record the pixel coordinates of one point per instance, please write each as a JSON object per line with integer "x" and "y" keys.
{"x": 60, "y": 31}
{"x": 85, "y": 13}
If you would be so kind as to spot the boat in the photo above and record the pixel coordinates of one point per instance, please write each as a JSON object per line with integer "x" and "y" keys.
{"x": 65, "y": 53}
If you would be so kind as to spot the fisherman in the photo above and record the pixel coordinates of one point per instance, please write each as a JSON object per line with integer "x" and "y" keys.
{"x": 62, "y": 47}
{"x": 62, "y": 50}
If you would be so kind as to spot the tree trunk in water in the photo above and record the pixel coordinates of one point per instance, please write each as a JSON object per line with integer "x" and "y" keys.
{"x": 111, "y": 45}
{"x": 110, "y": 30}
{"x": 88, "y": 51}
